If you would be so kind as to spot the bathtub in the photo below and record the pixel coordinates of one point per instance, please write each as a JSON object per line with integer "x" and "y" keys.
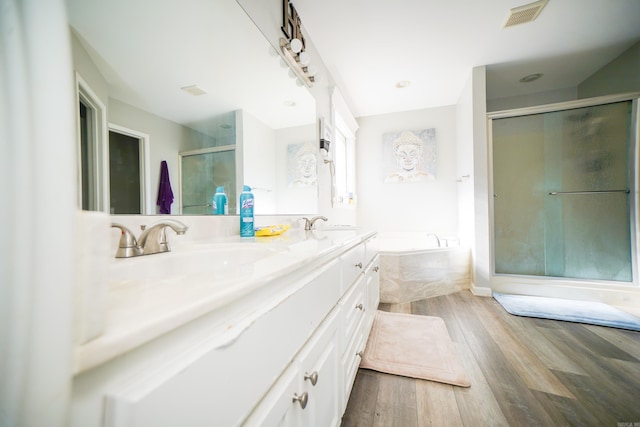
{"x": 423, "y": 266}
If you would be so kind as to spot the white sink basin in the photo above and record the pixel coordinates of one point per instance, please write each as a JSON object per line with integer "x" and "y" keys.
{"x": 220, "y": 260}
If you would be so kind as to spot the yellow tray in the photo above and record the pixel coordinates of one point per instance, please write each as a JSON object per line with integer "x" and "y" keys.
{"x": 272, "y": 230}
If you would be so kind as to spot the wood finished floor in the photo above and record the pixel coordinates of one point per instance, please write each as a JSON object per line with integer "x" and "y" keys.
{"x": 523, "y": 372}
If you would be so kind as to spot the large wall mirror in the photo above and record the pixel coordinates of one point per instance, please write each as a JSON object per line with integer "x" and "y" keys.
{"x": 194, "y": 84}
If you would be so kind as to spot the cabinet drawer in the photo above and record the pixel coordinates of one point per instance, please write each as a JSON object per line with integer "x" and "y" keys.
{"x": 352, "y": 265}
{"x": 353, "y": 308}
{"x": 372, "y": 278}
{"x": 351, "y": 362}
{"x": 371, "y": 249}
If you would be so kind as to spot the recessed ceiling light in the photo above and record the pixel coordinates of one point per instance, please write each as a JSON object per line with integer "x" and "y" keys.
{"x": 194, "y": 90}
{"x": 403, "y": 83}
{"x": 530, "y": 78}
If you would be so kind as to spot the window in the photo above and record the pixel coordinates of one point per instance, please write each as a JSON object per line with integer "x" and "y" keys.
{"x": 344, "y": 152}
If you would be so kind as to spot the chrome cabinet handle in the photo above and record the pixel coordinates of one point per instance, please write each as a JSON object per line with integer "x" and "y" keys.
{"x": 302, "y": 399}
{"x": 312, "y": 377}
{"x": 359, "y": 265}
{"x": 360, "y": 307}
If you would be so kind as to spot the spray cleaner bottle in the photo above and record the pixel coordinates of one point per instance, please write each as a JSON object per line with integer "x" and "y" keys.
{"x": 220, "y": 202}
{"x": 246, "y": 212}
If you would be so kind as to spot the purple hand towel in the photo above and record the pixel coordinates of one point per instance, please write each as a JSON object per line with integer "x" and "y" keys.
{"x": 165, "y": 195}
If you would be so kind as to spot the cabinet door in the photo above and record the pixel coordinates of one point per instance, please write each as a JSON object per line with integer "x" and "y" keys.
{"x": 372, "y": 278}
{"x": 352, "y": 265}
{"x": 319, "y": 367}
{"x": 354, "y": 306}
{"x": 306, "y": 394}
{"x": 278, "y": 408}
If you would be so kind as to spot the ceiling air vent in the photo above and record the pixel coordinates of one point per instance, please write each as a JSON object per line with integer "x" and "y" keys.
{"x": 526, "y": 13}
{"x": 194, "y": 90}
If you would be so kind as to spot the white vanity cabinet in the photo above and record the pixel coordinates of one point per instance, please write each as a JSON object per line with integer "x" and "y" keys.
{"x": 219, "y": 382}
{"x": 285, "y": 355}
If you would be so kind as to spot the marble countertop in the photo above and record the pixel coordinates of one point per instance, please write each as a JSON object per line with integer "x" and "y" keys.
{"x": 151, "y": 295}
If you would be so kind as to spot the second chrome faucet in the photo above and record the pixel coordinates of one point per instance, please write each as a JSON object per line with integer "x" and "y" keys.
{"x": 153, "y": 239}
{"x": 308, "y": 223}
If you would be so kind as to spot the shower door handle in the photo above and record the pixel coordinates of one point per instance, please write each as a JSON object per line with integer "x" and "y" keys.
{"x": 561, "y": 193}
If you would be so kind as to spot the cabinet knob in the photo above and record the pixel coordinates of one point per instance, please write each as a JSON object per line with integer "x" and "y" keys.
{"x": 359, "y": 265}
{"x": 302, "y": 399}
{"x": 376, "y": 268}
{"x": 360, "y": 307}
{"x": 312, "y": 377}
{"x": 360, "y": 353}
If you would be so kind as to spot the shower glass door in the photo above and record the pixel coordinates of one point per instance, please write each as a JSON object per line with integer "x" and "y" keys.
{"x": 562, "y": 183}
{"x": 201, "y": 172}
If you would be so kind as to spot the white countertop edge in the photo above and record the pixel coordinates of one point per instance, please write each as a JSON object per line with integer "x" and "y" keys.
{"x": 118, "y": 340}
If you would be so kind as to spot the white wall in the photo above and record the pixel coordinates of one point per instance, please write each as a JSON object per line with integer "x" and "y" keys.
{"x": 259, "y": 163}
{"x": 429, "y": 206}
{"x": 538, "y": 98}
{"x": 38, "y": 187}
{"x": 619, "y": 76}
{"x": 481, "y": 214}
{"x": 464, "y": 165}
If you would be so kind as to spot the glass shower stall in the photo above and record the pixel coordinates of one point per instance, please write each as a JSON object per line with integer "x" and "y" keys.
{"x": 564, "y": 191}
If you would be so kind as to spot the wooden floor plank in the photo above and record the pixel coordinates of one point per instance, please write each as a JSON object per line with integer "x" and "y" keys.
{"x": 599, "y": 369}
{"x": 436, "y": 404}
{"x": 544, "y": 350}
{"x": 362, "y": 400}
{"x": 396, "y": 403}
{"x": 599, "y": 345}
{"x": 477, "y": 404}
{"x": 400, "y": 308}
{"x": 608, "y": 393}
{"x": 573, "y": 414}
{"x": 628, "y": 341}
{"x": 514, "y": 346}
{"x": 514, "y": 397}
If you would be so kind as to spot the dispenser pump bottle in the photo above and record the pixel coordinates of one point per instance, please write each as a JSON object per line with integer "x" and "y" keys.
{"x": 246, "y": 213}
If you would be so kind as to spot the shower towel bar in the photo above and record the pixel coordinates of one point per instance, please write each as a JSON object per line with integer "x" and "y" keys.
{"x": 560, "y": 193}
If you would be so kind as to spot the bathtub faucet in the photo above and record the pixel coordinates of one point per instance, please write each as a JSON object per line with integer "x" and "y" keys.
{"x": 436, "y": 236}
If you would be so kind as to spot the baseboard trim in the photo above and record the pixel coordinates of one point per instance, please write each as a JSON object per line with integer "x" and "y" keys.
{"x": 480, "y": 291}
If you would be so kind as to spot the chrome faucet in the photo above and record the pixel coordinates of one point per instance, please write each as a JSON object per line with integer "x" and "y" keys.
{"x": 308, "y": 223}
{"x": 128, "y": 246}
{"x": 153, "y": 239}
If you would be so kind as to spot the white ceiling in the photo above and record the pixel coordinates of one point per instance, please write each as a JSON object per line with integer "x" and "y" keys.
{"x": 370, "y": 45}
{"x": 146, "y": 51}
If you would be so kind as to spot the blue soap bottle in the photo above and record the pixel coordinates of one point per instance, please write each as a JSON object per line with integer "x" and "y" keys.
{"x": 246, "y": 212}
{"x": 220, "y": 202}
